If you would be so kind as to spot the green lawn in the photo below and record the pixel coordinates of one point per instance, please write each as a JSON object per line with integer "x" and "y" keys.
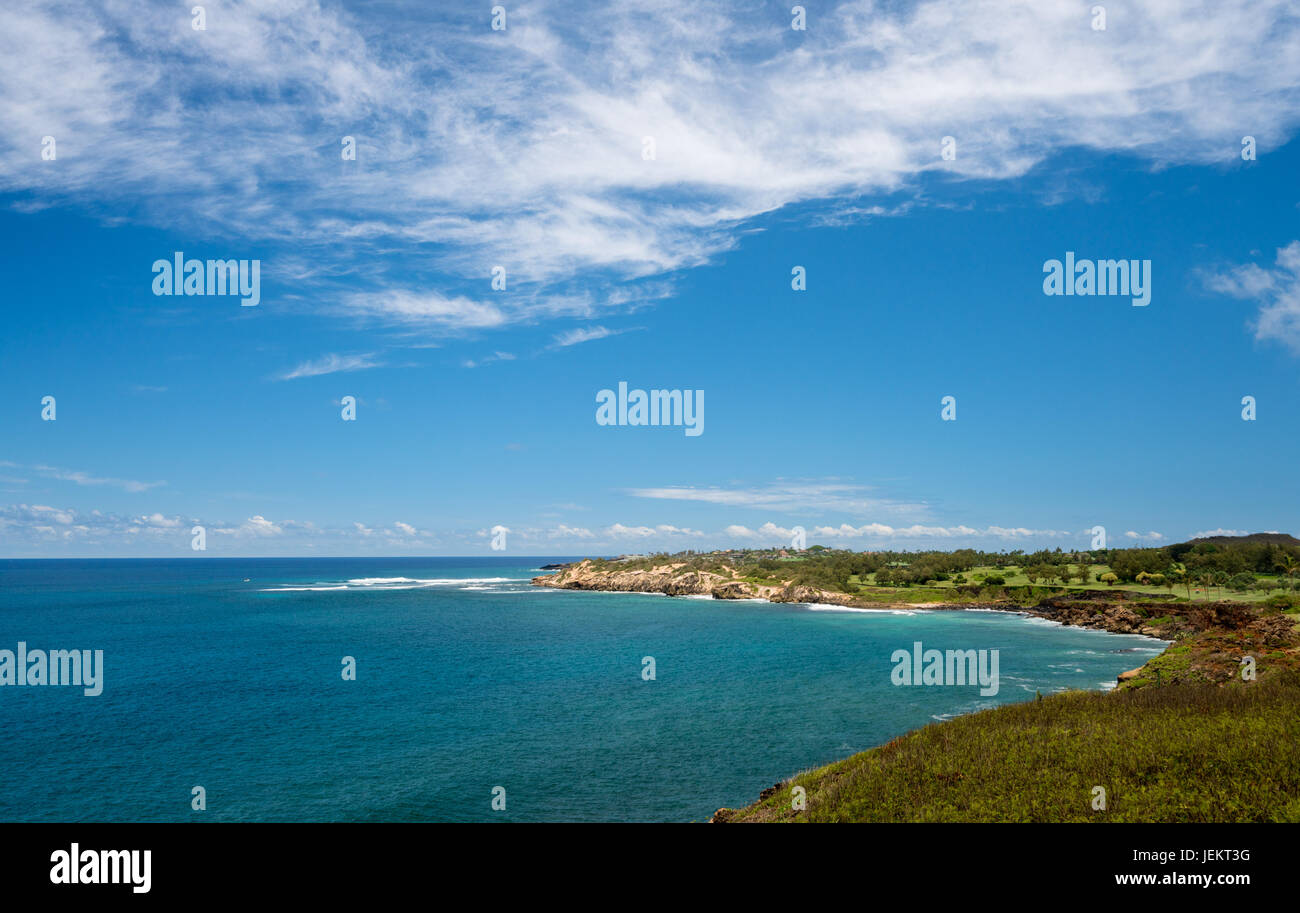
{"x": 1015, "y": 576}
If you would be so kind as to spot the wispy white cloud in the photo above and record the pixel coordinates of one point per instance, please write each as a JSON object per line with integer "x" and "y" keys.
{"x": 525, "y": 147}
{"x": 427, "y": 308}
{"x": 489, "y": 359}
{"x": 786, "y": 496}
{"x": 332, "y": 364}
{"x": 84, "y": 478}
{"x": 583, "y": 334}
{"x": 771, "y": 533}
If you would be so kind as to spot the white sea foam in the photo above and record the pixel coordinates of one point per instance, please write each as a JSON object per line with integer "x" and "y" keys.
{"x": 830, "y": 607}
{"x": 390, "y": 583}
{"x": 393, "y": 582}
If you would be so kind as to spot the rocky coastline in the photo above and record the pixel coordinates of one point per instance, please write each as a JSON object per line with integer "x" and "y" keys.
{"x": 1089, "y": 609}
{"x": 1206, "y": 640}
{"x": 1210, "y": 636}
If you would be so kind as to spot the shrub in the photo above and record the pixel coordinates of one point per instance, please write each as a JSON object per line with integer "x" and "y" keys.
{"x": 1240, "y": 583}
{"x": 1281, "y": 602}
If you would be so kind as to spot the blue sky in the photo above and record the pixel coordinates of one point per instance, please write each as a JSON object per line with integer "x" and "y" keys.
{"x": 773, "y": 148}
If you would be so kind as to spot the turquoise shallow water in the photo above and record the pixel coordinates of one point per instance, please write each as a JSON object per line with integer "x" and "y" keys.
{"x": 468, "y": 679}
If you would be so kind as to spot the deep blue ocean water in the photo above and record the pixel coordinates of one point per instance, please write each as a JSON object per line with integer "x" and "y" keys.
{"x": 468, "y": 678}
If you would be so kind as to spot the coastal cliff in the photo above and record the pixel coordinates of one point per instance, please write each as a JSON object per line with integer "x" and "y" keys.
{"x": 674, "y": 580}
{"x": 1207, "y": 640}
{"x": 677, "y": 579}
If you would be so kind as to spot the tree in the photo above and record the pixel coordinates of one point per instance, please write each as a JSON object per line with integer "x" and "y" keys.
{"x": 1288, "y": 566}
{"x": 1207, "y": 579}
{"x": 1183, "y": 575}
{"x": 1240, "y": 583}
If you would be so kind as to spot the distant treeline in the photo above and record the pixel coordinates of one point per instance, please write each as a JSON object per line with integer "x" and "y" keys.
{"x": 1233, "y": 564}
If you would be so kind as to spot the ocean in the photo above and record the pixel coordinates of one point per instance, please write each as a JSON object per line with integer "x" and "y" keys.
{"x": 472, "y": 688}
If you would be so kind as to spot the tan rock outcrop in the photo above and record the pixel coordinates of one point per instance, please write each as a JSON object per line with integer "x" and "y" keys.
{"x": 585, "y": 575}
{"x": 799, "y": 593}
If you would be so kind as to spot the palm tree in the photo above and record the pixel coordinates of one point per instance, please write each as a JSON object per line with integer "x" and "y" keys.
{"x": 1289, "y": 566}
{"x": 1206, "y": 579}
{"x": 1180, "y": 574}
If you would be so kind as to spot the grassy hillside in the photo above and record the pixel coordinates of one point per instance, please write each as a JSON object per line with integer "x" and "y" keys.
{"x": 1179, "y": 753}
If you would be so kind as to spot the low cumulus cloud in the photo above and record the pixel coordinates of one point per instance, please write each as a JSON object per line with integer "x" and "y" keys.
{"x": 1275, "y": 290}
{"x": 41, "y": 526}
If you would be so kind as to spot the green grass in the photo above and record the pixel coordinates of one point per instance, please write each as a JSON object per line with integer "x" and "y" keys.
{"x": 1181, "y": 753}
{"x": 1173, "y": 664}
{"x": 759, "y": 580}
{"x": 888, "y": 595}
{"x": 1015, "y": 577}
